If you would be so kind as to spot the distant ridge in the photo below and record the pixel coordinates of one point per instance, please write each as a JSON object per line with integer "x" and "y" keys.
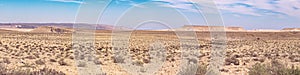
{"x": 204, "y": 28}
{"x": 64, "y": 25}
{"x": 49, "y": 29}
{"x": 207, "y": 28}
{"x": 291, "y": 29}
{"x": 25, "y": 27}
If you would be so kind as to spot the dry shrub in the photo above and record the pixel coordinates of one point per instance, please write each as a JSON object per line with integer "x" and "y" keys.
{"x": 146, "y": 60}
{"x": 27, "y": 65}
{"x": 118, "y": 59}
{"x": 40, "y": 62}
{"x": 97, "y": 62}
{"x": 6, "y": 60}
{"x": 233, "y": 60}
{"x": 258, "y": 69}
{"x": 71, "y": 57}
{"x": 90, "y": 58}
{"x": 62, "y": 62}
{"x": 102, "y": 74}
{"x": 201, "y": 70}
{"x": 36, "y": 55}
{"x": 81, "y": 64}
{"x": 138, "y": 63}
{"x": 17, "y": 71}
{"x": 52, "y": 60}
{"x": 47, "y": 71}
{"x": 275, "y": 68}
{"x": 30, "y": 57}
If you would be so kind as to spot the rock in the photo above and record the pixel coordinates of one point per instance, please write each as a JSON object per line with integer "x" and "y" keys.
{"x": 235, "y": 61}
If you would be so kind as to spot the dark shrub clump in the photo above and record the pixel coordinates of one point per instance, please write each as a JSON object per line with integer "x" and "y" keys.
{"x": 274, "y": 68}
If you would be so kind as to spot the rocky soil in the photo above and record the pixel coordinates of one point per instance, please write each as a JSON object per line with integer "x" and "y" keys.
{"x": 23, "y": 50}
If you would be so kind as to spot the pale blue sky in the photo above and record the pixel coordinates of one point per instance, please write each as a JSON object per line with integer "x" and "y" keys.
{"x": 250, "y": 14}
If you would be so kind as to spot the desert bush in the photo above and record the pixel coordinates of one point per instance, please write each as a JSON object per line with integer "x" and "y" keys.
{"x": 71, "y": 57}
{"x": 274, "y": 68}
{"x": 97, "y": 62}
{"x": 40, "y": 62}
{"x": 47, "y": 71}
{"x": 30, "y": 57}
{"x": 188, "y": 70}
{"x": 36, "y": 55}
{"x": 58, "y": 56}
{"x": 6, "y": 60}
{"x": 44, "y": 71}
{"x": 118, "y": 59}
{"x": 201, "y": 70}
{"x": 102, "y": 74}
{"x": 146, "y": 60}
{"x": 138, "y": 63}
{"x": 233, "y": 60}
{"x": 79, "y": 57}
{"x": 259, "y": 59}
{"x": 90, "y": 58}
{"x": 81, "y": 64}
{"x": 259, "y": 69}
{"x": 52, "y": 60}
{"x": 27, "y": 65}
{"x": 62, "y": 62}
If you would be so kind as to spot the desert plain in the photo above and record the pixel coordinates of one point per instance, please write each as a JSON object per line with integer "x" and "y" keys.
{"x": 44, "y": 50}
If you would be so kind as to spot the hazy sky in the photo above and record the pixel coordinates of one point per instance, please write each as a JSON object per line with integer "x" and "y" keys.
{"x": 250, "y": 14}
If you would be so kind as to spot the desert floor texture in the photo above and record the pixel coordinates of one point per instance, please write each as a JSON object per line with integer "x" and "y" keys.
{"x": 28, "y": 50}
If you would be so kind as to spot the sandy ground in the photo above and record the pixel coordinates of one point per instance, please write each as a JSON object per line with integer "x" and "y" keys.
{"x": 18, "y": 29}
{"x": 56, "y": 51}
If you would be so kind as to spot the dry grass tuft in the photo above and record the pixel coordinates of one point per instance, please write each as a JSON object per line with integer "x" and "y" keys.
{"x": 81, "y": 64}
{"x": 44, "y": 71}
{"x": 40, "y": 62}
{"x": 62, "y": 62}
{"x": 275, "y": 68}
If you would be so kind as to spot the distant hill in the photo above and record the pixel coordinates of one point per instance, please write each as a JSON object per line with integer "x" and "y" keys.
{"x": 205, "y": 28}
{"x": 291, "y": 29}
{"x": 64, "y": 25}
{"x": 49, "y": 29}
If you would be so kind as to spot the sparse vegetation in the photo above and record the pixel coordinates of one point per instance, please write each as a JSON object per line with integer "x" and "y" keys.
{"x": 35, "y": 50}
{"x": 202, "y": 69}
{"x": 44, "y": 71}
{"x": 274, "y": 68}
{"x": 6, "y": 60}
{"x": 52, "y": 60}
{"x": 81, "y": 64}
{"x": 27, "y": 65}
{"x": 40, "y": 62}
{"x": 232, "y": 60}
{"x": 97, "y": 62}
{"x": 62, "y": 62}
{"x": 118, "y": 59}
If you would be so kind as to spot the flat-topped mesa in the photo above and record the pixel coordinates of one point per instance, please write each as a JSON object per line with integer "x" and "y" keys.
{"x": 208, "y": 28}
{"x": 291, "y": 29}
{"x": 49, "y": 29}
